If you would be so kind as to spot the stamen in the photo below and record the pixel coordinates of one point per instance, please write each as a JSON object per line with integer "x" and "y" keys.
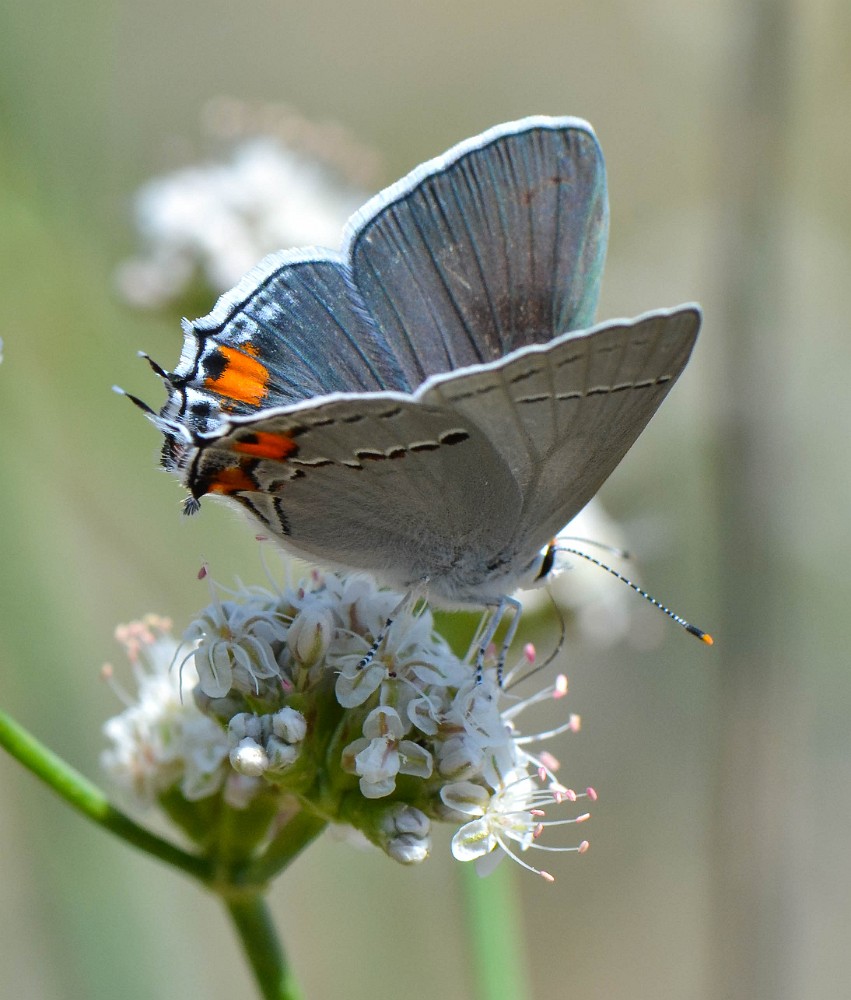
{"x": 571, "y": 726}
{"x": 557, "y": 690}
{"x": 524, "y": 864}
{"x": 107, "y": 675}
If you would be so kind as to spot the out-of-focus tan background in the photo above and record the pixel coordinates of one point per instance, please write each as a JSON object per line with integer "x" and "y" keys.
{"x": 721, "y": 845}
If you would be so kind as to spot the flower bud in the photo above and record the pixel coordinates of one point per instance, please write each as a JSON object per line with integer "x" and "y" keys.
{"x": 405, "y": 834}
{"x": 310, "y": 634}
{"x": 249, "y": 758}
{"x": 289, "y": 725}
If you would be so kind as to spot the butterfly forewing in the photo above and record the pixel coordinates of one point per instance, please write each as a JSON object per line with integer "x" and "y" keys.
{"x": 497, "y": 245}
{"x": 293, "y": 328}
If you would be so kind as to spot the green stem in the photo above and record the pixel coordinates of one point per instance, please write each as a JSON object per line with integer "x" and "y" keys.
{"x": 253, "y": 923}
{"x": 88, "y": 799}
{"x": 295, "y": 835}
{"x": 248, "y": 910}
{"x": 495, "y": 922}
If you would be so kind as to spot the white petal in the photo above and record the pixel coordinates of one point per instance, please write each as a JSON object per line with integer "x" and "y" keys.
{"x": 249, "y": 758}
{"x": 377, "y": 789}
{"x": 409, "y": 850}
{"x": 422, "y": 715}
{"x": 354, "y": 688}
{"x": 460, "y": 758}
{"x": 466, "y": 797}
{"x": 383, "y": 723}
{"x": 415, "y": 760}
{"x": 214, "y": 671}
{"x": 289, "y": 725}
{"x": 378, "y": 762}
{"x": 347, "y": 758}
{"x": 281, "y": 755}
{"x": 473, "y": 840}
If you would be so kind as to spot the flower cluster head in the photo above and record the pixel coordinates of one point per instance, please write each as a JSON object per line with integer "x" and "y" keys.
{"x": 303, "y": 700}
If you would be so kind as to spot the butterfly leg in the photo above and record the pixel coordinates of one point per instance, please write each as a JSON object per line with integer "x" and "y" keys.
{"x": 501, "y": 608}
{"x": 403, "y": 607}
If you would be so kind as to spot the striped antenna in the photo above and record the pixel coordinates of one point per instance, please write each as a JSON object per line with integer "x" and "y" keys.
{"x": 693, "y": 629}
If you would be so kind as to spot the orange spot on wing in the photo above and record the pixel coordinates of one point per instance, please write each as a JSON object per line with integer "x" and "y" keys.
{"x": 243, "y": 378}
{"x": 262, "y": 444}
{"x": 231, "y": 480}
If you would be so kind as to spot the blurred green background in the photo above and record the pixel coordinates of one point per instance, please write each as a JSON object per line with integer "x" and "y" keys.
{"x": 721, "y": 845}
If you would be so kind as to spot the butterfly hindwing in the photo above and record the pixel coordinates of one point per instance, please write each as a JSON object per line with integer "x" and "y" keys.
{"x": 380, "y": 483}
{"x": 563, "y": 415}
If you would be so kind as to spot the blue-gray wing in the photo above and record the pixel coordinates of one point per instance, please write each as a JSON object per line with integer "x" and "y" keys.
{"x": 293, "y": 328}
{"x": 493, "y": 246}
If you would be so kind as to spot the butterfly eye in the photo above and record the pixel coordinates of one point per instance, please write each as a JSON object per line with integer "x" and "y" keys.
{"x": 548, "y": 558}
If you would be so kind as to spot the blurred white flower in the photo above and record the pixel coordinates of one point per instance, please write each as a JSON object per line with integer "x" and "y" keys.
{"x": 160, "y": 741}
{"x": 213, "y": 221}
{"x": 598, "y": 609}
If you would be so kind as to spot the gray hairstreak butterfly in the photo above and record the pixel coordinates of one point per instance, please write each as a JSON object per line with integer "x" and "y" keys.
{"x": 432, "y": 403}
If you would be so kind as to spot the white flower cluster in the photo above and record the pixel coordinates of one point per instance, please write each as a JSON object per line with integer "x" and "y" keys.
{"x": 287, "y": 706}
